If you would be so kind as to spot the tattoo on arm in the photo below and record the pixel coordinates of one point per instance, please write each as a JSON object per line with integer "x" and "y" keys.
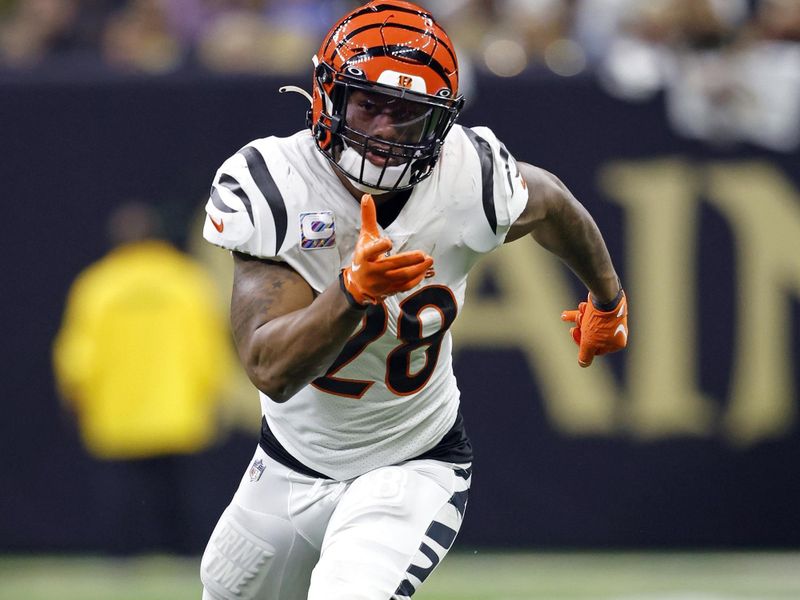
{"x": 284, "y": 337}
{"x": 260, "y": 294}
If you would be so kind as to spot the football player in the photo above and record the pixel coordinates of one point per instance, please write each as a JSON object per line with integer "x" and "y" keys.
{"x": 352, "y": 241}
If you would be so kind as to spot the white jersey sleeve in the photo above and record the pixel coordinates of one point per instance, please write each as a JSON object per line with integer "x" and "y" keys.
{"x": 256, "y": 207}
{"x": 503, "y": 191}
{"x": 245, "y": 210}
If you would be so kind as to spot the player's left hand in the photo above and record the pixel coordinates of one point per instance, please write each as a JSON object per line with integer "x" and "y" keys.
{"x": 598, "y": 332}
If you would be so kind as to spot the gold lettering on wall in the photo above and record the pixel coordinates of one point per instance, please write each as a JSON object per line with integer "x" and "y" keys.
{"x": 661, "y": 206}
{"x": 763, "y": 209}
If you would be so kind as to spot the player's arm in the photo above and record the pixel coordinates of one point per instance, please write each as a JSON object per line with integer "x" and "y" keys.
{"x": 561, "y": 224}
{"x": 285, "y": 335}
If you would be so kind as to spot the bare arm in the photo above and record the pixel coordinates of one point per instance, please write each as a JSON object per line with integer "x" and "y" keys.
{"x": 559, "y": 223}
{"x": 285, "y": 336}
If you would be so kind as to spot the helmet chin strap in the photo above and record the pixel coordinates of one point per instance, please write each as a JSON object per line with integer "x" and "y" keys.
{"x": 350, "y": 161}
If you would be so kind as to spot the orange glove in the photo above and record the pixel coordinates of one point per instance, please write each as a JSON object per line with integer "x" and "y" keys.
{"x": 374, "y": 274}
{"x": 598, "y": 332}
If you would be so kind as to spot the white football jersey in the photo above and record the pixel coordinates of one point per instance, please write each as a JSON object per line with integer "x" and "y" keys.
{"x": 391, "y": 395}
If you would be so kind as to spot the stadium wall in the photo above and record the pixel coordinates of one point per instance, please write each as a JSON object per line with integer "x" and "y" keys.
{"x": 686, "y": 440}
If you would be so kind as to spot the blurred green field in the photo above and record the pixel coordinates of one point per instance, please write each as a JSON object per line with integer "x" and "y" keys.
{"x": 463, "y": 576}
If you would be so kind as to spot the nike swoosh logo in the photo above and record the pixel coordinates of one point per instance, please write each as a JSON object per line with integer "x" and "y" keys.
{"x": 218, "y": 226}
{"x": 621, "y": 329}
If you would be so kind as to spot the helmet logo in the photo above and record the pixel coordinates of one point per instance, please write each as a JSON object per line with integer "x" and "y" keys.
{"x": 403, "y": 80}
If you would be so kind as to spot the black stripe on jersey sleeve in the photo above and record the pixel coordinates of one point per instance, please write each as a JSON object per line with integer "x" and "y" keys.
{"x": 269, "y": 189}
{"x": 218, "y": 202}
{"x": 230, "y": 183}
{"x": 486, "y": 157}
{"x": 506, "y": 156}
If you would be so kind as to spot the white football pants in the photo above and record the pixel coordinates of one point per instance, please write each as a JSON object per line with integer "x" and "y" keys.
{"x": 287, "y": 536}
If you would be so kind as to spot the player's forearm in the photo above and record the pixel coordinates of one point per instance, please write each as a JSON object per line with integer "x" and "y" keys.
{"x": 288, "y": 352}
{"x": 570, "y": 232}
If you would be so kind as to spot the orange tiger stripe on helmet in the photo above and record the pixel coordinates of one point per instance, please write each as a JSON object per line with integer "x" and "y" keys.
{"x": 392, "y": 23}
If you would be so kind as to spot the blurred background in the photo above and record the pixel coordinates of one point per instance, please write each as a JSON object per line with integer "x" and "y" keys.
{"x": 676, "y": 122}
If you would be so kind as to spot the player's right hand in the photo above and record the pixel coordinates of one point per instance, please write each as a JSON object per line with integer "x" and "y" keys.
{"x": 375, "y": 274}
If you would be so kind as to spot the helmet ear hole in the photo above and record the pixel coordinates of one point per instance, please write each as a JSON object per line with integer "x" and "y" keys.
{"x": 355, "y": 72}
{"x": 323, "y": 73}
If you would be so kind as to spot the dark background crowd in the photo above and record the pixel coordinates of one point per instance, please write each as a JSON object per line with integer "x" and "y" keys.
{"x": 267, "y": 36}
{"x": 731, "y": 68}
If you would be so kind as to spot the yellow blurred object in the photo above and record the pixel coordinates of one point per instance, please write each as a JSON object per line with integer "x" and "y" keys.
{"x": 143, "y": 354}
